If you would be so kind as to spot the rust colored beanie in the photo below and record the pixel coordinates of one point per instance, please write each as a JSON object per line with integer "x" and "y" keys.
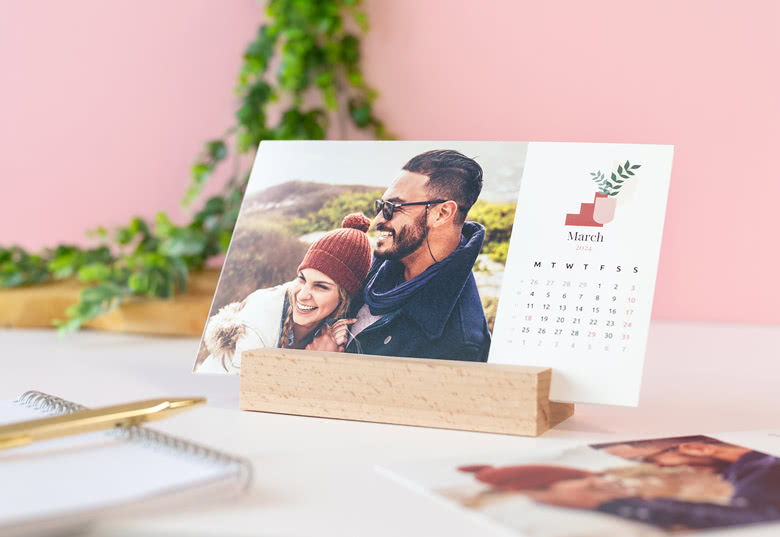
{"x": 344, "y": 254}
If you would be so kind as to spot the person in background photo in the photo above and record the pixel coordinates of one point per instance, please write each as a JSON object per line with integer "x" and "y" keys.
{"x": 562, "y": 486}
{"x": 306, "y": 313}
{"x": 420, "y": 298}
{"x": 753, "y": 476}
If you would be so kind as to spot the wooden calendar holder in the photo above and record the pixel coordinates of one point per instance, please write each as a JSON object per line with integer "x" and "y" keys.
{"x": 448, "y": 394}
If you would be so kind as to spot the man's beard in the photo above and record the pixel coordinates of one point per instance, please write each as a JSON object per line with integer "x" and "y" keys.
{"x": 405, "y": 241}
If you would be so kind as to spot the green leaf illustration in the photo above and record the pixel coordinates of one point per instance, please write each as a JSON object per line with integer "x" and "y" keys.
{"x": 612, "y": 186}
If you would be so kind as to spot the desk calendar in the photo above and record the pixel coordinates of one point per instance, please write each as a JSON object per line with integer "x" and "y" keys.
{"x": 581, "y": 267}
{"x": 554, "y": 266}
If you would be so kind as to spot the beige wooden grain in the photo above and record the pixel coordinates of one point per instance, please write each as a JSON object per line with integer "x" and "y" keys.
{"x": 410, "y": 391}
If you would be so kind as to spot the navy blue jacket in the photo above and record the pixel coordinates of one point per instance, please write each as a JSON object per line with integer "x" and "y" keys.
{"x": 445, "y": 319}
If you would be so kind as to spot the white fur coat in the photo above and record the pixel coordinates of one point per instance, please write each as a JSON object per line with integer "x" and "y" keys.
{"x": 253, "y": 323}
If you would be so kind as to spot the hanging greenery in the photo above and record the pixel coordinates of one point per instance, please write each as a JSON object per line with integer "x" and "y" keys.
{"x": 305, "y": 63}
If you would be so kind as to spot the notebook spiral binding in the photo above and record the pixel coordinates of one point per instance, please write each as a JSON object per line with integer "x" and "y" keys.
{"x": 50, "y": 404}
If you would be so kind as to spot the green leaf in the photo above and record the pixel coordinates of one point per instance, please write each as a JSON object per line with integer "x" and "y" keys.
{"x": 163, "y": 225}
{"x": 12, "y": 279}
{"x": 100, "y": 232}
{"x": 331, "y": 98}
{"x": 361, "y": 19}
{"x": 355, "y": 79}
{"x": 67, "y": 327}
{"x": 94, "y": 272}
{"x": 360, "y": 112}
{"x": 123, "y": 236}
{"x": 214, "y": 205}
{"x": 138, "y": 225}
{"x": 217, "y": 150}
{"x": 224, "y": 240}
{"x": 183, "y": 242}
{"x": 200, "y": 172}
{"x": 323, "y": 80}
{"x": 98, "y": 294}
{"x": 350, "y": 50}
{"x": 138, "y": 283}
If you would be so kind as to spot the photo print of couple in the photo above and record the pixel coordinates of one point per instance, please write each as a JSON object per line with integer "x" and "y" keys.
{"x": 650, "y": 487}
{"x": 391, "y": 249}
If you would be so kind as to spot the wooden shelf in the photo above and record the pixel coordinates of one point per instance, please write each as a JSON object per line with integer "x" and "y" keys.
{"x": 184, "y": 315}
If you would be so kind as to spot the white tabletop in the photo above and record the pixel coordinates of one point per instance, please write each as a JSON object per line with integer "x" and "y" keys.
{"x": 317, "y": 476}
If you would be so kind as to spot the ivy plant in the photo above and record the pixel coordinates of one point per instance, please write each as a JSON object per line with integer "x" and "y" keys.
{"x": 304, "y": 62}
{"x": 612, "y": 186}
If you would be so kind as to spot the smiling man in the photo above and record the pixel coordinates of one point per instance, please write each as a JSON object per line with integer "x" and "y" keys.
{"x": 420, "y": 299}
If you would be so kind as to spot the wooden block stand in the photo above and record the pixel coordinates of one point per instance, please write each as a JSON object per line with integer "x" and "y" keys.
{"x": 448, "y": 394}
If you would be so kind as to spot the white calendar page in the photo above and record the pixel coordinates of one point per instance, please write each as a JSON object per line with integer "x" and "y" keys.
{"x": 581, "y": 268}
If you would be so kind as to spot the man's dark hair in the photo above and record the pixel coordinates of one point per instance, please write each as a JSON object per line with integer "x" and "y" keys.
{"x": 451, "y": 176}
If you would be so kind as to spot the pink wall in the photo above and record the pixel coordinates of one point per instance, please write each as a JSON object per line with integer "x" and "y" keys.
{"x": 105, "y": 105}
{"x": 701, "y": 75}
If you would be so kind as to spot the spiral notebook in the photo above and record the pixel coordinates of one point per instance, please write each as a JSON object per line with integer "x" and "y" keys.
{"x": 75, "y": 480}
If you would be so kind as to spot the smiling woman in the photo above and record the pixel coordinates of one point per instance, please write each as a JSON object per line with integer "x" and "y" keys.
{"x": 305, "y": 313}
{"x": 313, "y": 296}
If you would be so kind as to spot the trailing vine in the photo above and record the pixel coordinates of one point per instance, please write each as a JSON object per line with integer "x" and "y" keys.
{"x": 305, "y": 62}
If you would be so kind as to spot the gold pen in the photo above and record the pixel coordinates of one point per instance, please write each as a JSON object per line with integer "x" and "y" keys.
{"x": 84, "y": 421}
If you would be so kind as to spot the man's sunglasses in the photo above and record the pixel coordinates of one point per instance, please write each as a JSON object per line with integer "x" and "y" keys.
{"x": 388, "y": 207}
